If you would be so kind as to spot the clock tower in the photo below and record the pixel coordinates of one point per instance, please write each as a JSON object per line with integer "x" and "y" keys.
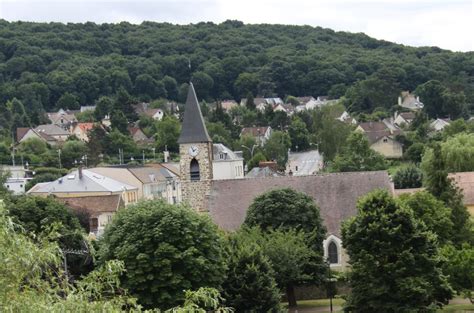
{"x": 195, "y": 150}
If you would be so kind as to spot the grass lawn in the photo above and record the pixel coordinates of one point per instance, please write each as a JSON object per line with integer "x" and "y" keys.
{"x": 322, "y": 305}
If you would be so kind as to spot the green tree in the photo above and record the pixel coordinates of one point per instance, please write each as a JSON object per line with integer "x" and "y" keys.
{"x": 287, "y": 209}
{"x": 415, "y": 152}
{"x": 431, "y": 93}
{"x": 124, "y": 103}
{"x": 288, "y": 253}
{"x": 103, "y": 107}
{"x": 73, "y": 151}
{"x": 116, "y": 140}
{"x": 246, "y": 143}
{"x": 167, "y": 133}
{"x": 255, "y": 160}
{"x": 460, "y": 268}
{"x": 96, "y": 144}
{"x": 276, "y": 148}
{"x": 358, "y": 156}
{"x": 439, "y": 185}
{"x": 166, "y": 250}
{"x": 409, "y": 176}
{"x": 249, "y": 285}
{"x": 330, "y": 135}
{"x": 456, "y": 153}
{"x": 32, "y": 278}
{"x": 118, "y": 121}
{"x": 203, "y": 83}
{"x": 299, "y": 135}
{"x": 434, "y": 213}
{"x": 394, "y": 258}
{"x": 33, "y": 146}
{"x": 68, "y": 101}
{"x": 246, "y": 83}
{"x": 249, "y": 102}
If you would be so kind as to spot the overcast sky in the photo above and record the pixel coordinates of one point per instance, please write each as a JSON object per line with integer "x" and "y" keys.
{"x": 448, "y": 24}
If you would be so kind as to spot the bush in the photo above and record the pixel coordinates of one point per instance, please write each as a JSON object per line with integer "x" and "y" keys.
{"x": 409, "y": 176}
{"x": 166, "y": 249}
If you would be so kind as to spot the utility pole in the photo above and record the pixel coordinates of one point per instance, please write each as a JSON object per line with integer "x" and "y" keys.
{"x": 143, "y": 156}
{"x": 59, "y": 158}
{"x": 154, "y": 158}
{"x": 13, "y": 156}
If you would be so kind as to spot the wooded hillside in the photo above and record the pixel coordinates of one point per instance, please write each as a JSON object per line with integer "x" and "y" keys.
{"x": 52, "y": 65}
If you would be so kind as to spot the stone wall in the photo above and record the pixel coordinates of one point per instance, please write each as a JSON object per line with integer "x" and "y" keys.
{"x": 195, "y": 193}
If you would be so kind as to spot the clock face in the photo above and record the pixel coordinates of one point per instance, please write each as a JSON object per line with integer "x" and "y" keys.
{"x": 193, "y": 151}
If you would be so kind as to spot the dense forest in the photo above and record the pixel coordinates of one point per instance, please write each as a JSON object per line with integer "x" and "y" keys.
{"x": 52, "y": 65}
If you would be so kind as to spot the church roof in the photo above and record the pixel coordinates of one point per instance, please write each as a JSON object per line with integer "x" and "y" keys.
{"x": 336, "y": 195}
{"x": 193, "y": 129}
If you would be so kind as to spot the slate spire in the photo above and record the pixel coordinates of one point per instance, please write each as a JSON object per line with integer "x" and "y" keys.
{"x": 193, "y": 129}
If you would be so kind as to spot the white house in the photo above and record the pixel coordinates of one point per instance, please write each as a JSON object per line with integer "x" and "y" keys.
{"x": 227, "y": 164}
{"x": 439, "y": 124}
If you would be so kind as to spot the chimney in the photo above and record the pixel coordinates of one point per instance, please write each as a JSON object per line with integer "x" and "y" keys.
{"x": 166, "y": 155}
{"x": 400, "y": 101}
{"x": 80, "y": 171}
{"x": 418, "y": 98}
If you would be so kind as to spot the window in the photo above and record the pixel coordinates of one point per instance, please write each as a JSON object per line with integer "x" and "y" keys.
{"x": 332, "y": 253}
{"x": 194, "y": 170}
{"x": 385, "y": 140}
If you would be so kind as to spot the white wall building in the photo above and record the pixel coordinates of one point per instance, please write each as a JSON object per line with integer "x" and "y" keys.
{"x": 226, "y": 163}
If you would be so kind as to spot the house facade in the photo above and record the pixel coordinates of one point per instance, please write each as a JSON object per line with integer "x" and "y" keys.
{"x": 381, "y": 138}
{"x": 261, "y": 134}
{"x": 227, "y": 164}
{"x": 81, "y": 131}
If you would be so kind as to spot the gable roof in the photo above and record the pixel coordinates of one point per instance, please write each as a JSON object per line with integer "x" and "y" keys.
{"x": 51, "y": 130}
{"x": 193, "y": 129}
{"x": 21, "y": 132}
{"x": 85, "y": 127}
{"x": 94, "y": 204}
{"x": 219, "y": 149}
{"x": 336, "y": 195}
{"x": 254, "y": 131}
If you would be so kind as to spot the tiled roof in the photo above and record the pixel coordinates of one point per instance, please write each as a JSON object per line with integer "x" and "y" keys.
{"x": 94, "y": 205}
{"x": 262, "y": 172}
{"x": 85, "y": 126}
{"x": 335, "y": 194}
{"x": 149, "y": 175}
{"x": 465, "y": 182}
{"x": 254, "y": 131}
{"x": 21, "y": 132}
{"x": 51, "y": 130}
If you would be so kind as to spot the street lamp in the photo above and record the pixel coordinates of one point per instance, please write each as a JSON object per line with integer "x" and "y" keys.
{"x": 330, "y": 285}
{"x": 251, "y": 150}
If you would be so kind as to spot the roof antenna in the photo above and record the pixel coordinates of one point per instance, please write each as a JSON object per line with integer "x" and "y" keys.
{"x": 190, "y": 72}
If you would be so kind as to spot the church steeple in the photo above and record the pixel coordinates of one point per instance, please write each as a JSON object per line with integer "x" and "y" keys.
{"x": 193, "y": 129}
{"x": 195, "y": 151}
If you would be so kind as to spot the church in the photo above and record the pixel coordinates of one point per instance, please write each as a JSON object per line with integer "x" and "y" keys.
{"x": 226, "y": 201}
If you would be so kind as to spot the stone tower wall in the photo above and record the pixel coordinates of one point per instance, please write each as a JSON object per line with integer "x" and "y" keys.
{"x": 194, "y": 193}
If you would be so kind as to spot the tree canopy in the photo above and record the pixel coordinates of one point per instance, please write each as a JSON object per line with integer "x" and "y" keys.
{"x": 395, "y": 260}
{"x": 166, "y": 249}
